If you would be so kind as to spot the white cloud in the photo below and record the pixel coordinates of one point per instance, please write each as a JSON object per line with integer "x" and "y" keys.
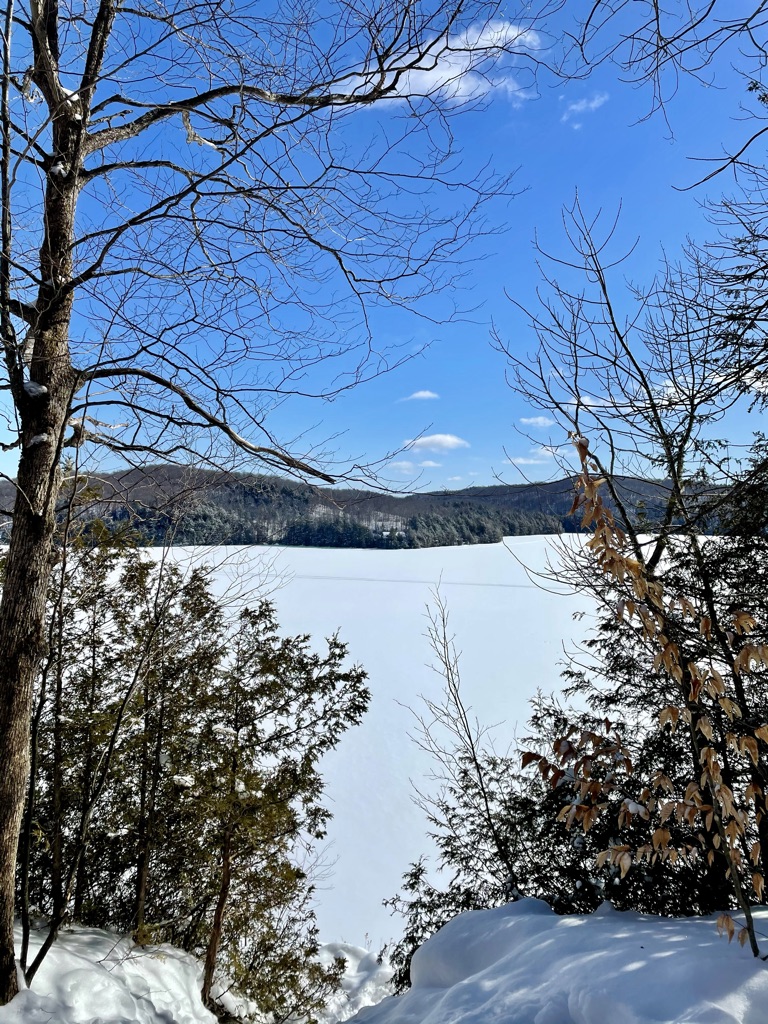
{"x": 402, "y": 466}
{"x": 537, "y": 421}
{"x": 535, "y": 457}
{"x": 585, "y": 106}
{"x": 419, "y": 396}
{"x": 429, "y": 464}
{"x": 437, "y": 443}
{"x": 454, "y": 478}
{"x": 587, "y": 402}
{"x": 473, "y": 64}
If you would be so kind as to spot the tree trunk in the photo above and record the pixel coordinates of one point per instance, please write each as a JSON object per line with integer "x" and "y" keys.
{"x": 218, "y": 918}
{"x": 151, "y": 782}
{"x": 57, "y": 838}
{"x": 22, "y": 640}
{"x": 25, "y": 843}
{"x": 142, "y": 860}
{"x": 43, "y": 419}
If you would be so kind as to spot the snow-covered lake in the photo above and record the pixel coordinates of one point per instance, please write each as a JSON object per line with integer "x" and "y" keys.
{"x": 516, "y": 964}
{"x": 511, "y": 634}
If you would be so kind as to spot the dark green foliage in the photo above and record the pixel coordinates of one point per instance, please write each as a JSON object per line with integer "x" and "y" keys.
{"x": 171, "y": 506}
{"x": 337, "y": 532}
{"x": 540, "y": 857}
{"x": 463, "y": 525}
{"x": 208, "y": 523}
{"x": 177, "y": 790}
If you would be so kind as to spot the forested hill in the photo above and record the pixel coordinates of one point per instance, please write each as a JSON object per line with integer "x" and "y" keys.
{"x": 208, "y": 507}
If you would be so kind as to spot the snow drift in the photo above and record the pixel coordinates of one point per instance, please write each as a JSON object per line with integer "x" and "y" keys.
{"x": 92, "y": 976}
{"x": 518, "y": 964}
{"x": 522, "y": 964}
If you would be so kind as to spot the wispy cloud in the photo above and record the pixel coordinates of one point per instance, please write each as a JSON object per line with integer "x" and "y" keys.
{"x": 402, "y": 466}
{"x": 437, "y": 443}
{"x": 537, "y": 421}
{"x": 473, "y": 64}
{"x": 576, "y": 110}
{"x": 429, "y": 464}
{"x": 419, "y": 396}
{"x": 536, "y": 457}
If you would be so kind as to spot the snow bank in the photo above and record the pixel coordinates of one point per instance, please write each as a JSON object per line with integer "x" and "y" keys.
{"x": 94, "y": 977}
{"x": 519, "y": 964}
{"x": 365, "y": 982}
{"x": 522, "y": 964}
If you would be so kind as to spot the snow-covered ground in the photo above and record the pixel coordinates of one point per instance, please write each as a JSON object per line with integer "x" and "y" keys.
{"x": 518, "y": 964}
{"x": 94, "y": 977}
{"x": 521, "y": 964}
{"x": 511, "y": 634}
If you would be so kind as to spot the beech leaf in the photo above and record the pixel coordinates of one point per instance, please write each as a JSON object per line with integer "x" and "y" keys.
{"x": 757, "y": 884}
{"x": 725, "y": 926}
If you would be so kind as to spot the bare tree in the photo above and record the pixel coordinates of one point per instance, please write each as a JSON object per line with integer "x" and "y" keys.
{"x": 657, "y": 44}
{"x": 460, "y": 750}
{"x": 192, "y": 229}
{"x": 639, "y": 380}
{"x": 639, "y": 383}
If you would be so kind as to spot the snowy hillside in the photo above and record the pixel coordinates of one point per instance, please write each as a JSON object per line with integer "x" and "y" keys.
{"x": 511, "y": 634}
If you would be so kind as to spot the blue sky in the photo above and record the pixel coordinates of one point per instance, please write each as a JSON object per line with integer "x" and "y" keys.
{"x": 449, "y": 405}
{"x": 586, "y": 136}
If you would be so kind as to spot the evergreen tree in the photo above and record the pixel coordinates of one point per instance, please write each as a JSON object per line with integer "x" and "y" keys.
{"x": 177, "y": 791}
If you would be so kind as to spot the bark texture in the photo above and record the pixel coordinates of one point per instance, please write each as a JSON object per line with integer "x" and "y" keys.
{"x": 214, "y": 942}
{"x": 22, "y": 640}
{"x": 43, "y": 416}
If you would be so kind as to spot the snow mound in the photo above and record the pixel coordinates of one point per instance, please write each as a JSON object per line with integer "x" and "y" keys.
{"x": 93, "y": 977}
{"x": 519, "y": 964}
{"x": 365, "y": 982}
{"x": 522, "y": 964}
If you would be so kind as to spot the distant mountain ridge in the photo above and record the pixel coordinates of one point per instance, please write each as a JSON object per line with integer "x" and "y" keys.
{"x": 199, "y": 506}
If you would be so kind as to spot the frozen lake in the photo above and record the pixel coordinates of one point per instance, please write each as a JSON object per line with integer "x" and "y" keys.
{"x": 510, "y": 633}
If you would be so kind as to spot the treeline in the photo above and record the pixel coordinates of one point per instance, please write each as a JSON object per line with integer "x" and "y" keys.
{"x": 176, "y": 505}
{"x": 212, "y": 524}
